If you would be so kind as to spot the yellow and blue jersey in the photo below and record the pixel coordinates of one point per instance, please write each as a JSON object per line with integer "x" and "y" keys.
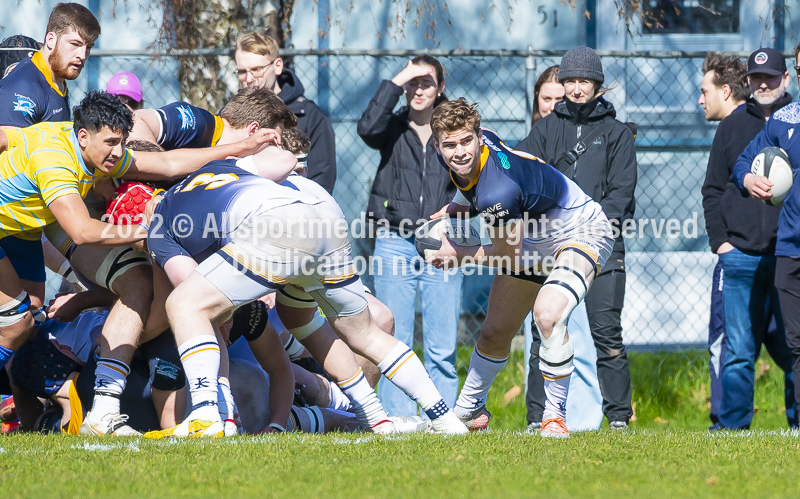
{"x": 29, "y": 95}
{"x": 43, "y": 163}
{"x": 185, "y": 125}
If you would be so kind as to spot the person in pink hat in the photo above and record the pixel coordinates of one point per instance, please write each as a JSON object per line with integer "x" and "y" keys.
{"x": 128, "y": 88}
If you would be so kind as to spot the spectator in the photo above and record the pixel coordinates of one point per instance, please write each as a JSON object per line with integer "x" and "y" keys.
{"x": 743, "y": 231}
{"x": 585, "y": 122}
{"x": 409, "y": 187}
{"x": 584, "y": 403}
{"x": 128, "y": 88}
{"x": 547, "y": 92}
{"x": 258, "y": 64}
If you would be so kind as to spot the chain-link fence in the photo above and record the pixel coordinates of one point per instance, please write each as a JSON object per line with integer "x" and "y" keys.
{"x": 669, "y": 264}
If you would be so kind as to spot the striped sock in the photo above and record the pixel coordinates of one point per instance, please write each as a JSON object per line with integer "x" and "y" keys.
{"x": 403, "y": 368}
{"x": 109, "y": 383}
{"x": 200, "y": 358}
{"x": 483, "y": 370}
{"x": 556, "y": 386}
{"x": 365, "y": 403}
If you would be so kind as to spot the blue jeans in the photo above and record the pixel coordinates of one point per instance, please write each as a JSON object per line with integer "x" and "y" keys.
{"x": 749, "y": 297}
{"x": 397, "y": 273}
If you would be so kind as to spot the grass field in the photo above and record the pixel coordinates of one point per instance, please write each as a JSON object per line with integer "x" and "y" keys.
{"x": 667, "y": 452}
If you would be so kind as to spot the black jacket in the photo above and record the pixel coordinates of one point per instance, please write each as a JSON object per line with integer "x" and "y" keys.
{"x": 410, "y": 183}
{"x": 313, "y": 122}
{"x": 748, "y": 224}
{"x": 607, "y": 171}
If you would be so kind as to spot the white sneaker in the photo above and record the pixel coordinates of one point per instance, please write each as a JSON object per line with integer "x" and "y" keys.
{"x": 448, "y": 424}
{"x": 409, "y": 424}
{"x": 114, "y": 424}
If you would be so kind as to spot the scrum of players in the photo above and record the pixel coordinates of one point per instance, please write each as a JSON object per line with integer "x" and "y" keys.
{"x": 214, "y": 332}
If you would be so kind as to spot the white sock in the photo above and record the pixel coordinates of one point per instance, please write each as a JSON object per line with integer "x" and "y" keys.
{"x": 483, "y": 370}
{"x": 364, "y": 401}
{"x": 294, "y": 348}
{"x": 110, "y": 380}
{"x": 225, "y": 403}
{"x": 556, "y": 386}
{"x": 200, "y": 359}
{"x": 403, "y": 368}
{"x": 338, "y": 400}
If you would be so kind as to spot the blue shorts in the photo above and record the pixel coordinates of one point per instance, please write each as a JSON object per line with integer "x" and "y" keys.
{"x": 27, "y": 257}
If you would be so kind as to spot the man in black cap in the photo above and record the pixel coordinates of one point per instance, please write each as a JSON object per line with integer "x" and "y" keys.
{"x": 743, "y": 232}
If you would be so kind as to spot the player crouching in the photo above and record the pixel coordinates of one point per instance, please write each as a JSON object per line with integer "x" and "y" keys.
{"x": 536, "y": 216}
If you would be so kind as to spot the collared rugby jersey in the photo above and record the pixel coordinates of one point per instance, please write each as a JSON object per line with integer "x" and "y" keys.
{"x": 28, "y": 95}
{"x": 185, "y": 125}
{"x": 43, "y": 163}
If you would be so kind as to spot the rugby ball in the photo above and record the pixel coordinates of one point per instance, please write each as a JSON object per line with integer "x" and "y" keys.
{"x": 428, "y": 237}
{"x": 127, "y": 204}
{"x": 773, "y": 163}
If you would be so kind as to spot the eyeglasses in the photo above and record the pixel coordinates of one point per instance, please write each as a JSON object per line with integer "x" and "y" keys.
{"x": 797, "y": 70}
{"x": 256, "y": 72}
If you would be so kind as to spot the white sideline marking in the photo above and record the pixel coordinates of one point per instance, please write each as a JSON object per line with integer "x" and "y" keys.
{"x": 133, "y": 446}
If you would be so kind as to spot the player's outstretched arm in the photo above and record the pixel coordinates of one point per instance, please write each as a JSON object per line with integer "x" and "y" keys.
{"x": 182, "y": 162}
{"x": 71, "y": 213}
{"x": 270, "y": 354}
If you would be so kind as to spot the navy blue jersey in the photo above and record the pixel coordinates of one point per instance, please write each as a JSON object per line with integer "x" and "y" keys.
{"x": 28, "y": 95}
{"x": 511, "y": 184}
{"x": 185, "y": 125}
{"x": 198, "y": 215}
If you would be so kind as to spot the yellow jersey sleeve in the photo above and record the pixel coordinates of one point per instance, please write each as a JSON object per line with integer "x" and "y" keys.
{"x": 15, "y": 137}
{"x": 54, "y": 174}
{"x": 122, "y": 166}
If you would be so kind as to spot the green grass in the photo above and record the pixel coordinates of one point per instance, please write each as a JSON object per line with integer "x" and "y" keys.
{"x": 670, "y": 390}
{"x": 645, "y": 463}
{"x": 675, "y": 457}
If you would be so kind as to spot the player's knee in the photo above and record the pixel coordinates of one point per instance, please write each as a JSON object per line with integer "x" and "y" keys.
{"x": 547, "y": 318}
{"x": 135, "y": 282}
{"x": 382, "y": 316}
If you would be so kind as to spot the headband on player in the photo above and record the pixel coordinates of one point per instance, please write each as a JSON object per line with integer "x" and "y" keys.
{"x": 249, "y": 321}
{"x": 41, "y": 368}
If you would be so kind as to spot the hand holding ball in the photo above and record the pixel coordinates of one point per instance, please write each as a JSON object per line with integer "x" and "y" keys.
{"x": 773, "y": 163}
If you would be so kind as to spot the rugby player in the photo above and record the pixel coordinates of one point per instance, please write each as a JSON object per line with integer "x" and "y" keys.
{"x": 45, "y": 172}
{"x": 181, "y": 124}
{"x": 549, "y": 240}
{"x": 259, "y": 106}
{"x": 59, "y": 365}
{"x": 36, "y": 90}
{"x": 238, "y": 264}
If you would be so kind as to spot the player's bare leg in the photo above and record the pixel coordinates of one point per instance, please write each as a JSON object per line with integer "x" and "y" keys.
{"x": 565, "y": 287}
{"x": 339, "y": 362}
{"x": 191, "y": 308}
{"x": 399, "y": 364}
{"x": 510, "y": 300}
{"x": 119, "y": 339}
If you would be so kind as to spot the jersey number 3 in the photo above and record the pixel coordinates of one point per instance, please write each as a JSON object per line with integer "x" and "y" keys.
{"x": 210, "y": 180}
